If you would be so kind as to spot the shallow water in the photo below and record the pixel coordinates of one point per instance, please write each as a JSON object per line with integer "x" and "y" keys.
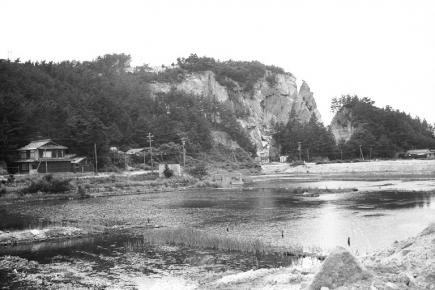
{"x": 265, "y": 211}
{"x": 372, "y": 220}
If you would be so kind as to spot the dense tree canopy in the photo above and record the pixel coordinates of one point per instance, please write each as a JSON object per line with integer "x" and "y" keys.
{"x": 315, "y": 140}
{"x": 382, "y": 131}
{"x": 228, "y": 73}
{"x": 105, "y": 102}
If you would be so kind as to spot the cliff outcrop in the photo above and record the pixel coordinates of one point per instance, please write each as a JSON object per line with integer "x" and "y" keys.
{"x": 270, "y": 101}
{"x": 342, "y": 126}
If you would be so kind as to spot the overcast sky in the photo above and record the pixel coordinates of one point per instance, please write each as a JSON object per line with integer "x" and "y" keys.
{"x": 384, "y": 50}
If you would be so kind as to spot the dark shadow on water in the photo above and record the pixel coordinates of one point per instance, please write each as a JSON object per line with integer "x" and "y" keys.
{"x": 389, "y": 200}
{"x": 11, "y": 221}
{"x": 255, "y": 199}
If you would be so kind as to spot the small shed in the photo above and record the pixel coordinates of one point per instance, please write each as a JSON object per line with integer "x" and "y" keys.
{"x": 420, "y": 154}
{"x": 81, "y": 164}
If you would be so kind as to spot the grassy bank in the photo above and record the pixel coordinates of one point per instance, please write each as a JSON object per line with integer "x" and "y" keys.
{"x": 68, "y": 186}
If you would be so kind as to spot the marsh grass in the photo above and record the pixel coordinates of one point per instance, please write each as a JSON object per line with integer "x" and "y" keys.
{"x": 200, "y": 239}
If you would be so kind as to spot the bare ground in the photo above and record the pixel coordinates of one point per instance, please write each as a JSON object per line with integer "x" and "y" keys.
{"x": 383, "y": 167}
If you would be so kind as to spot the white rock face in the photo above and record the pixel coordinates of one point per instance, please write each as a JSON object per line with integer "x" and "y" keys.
{"x": 200, "y": 84}
{"x": 342, "y": 127}
{"x": 266, "y": 106}
{"x": 221, "y": 137}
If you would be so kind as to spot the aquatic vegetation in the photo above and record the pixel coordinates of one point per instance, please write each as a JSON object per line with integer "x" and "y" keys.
{"x": 200, "y": 239}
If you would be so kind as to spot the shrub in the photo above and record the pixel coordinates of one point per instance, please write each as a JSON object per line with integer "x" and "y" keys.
{"x": 297, "y": 163}
{"x": 168, "y": 172}
{"x": 207, "y": 184}
{"x": 271, "y": 80}
{"x": 48, "y": 184}
{"x": 82, "y": 192}
{"x": 111, "y": 168}
{"x": 2, "y": 190}
{"x": 198, "y": 171}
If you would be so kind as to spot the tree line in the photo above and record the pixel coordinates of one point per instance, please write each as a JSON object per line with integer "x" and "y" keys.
{"x": 104, "y": 102}
{"x": 380, "y": 133}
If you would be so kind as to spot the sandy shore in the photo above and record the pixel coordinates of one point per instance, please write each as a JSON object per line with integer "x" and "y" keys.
{"x": 401, "y": 175}
{"x": 373, "y": 168}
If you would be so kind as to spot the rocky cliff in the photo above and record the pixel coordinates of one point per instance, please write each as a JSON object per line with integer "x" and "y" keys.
{"x": 271, "y": 100}
{"x": 342, "y": 126}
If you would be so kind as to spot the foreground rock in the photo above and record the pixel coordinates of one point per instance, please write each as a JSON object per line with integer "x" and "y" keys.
{"x": 39, "y": 235}
{"x": 340, "y": 268}
{"x": 409, "y": 264}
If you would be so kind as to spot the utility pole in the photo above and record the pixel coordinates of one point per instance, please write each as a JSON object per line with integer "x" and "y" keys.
{"x": 308, "y": 154}
{"x": 371, "y": 148}
{"x": 300, "y": 150}
{"x": 341, "y": 153}
{"x": 150, "y": 139}
{"x": 183, "y": 142}
{"x": 96, "y": 158}
{"x": 361, "y": 152}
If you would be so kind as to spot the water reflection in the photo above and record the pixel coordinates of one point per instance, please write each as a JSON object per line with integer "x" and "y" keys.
{"x": 372, "y": 220}
{"x": 389, "y": 200}
{"x": 12, "y": 221}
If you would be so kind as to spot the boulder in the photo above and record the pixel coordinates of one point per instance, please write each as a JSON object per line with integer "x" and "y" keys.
{"x": 339, "y": 268}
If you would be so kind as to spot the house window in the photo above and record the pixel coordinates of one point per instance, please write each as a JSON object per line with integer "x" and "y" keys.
{"x": 24, "y": 166}
{"x": 23, "y": 155}
{"x": 33, "y": 154}
{"x": 46, "y": 154}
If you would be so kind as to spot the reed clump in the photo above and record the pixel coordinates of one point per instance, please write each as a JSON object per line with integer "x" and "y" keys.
{"x": 199, "y": 239}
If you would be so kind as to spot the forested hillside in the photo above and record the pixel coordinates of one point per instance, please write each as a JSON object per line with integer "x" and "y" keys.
{"x": 314, "y": 138}
{"x": 384, "y": 131}
{"x": 109, "y": 103}
{"x": 106, "y": 102}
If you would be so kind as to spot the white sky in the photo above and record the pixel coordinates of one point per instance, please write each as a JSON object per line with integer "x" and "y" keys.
{"x": 384, "y": 50}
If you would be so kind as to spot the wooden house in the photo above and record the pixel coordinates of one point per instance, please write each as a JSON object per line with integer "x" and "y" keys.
{"x": 45, "y": 156}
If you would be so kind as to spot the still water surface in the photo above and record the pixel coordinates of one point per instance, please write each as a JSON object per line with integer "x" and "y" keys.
{"x": 267, "y": 211}
{"x": 371, "y": 220}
